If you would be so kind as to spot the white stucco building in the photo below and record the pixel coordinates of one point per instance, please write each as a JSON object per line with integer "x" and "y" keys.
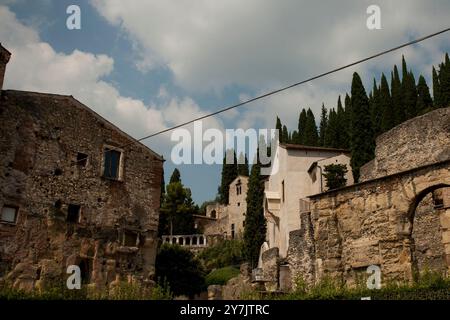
{"x": 295, "y": 174}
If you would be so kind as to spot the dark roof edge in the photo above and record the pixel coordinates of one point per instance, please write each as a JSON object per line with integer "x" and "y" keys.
{"x": 312, "y": 148}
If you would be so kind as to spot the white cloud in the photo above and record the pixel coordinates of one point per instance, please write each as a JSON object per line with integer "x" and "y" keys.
{"x": 35, "y": 66}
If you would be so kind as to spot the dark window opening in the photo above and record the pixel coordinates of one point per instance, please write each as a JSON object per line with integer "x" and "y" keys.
{"x": 9, "y": 214}
{"x": 181, "y": 241}
{"x": 232, "y": 231}
{"x": 85, "y": 270}
{"x": 188, "y": 241}
{"x": 238, "y": 204}
{"x": 194, "y": 241}
{"x": 57, "y": 172}
{"x": 82, "y": 159}
{"x": 58, "y": 204}
{"x": 129, "y": 239}
{"x": 73, "y": 213}
{"x": 112, "y": 163}
{"x": 282, "y": 190}
{"x": 213, "y": 214}
{"x": 201, "y": 241}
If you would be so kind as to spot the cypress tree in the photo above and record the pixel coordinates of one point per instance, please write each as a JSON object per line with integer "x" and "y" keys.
{"x": 348, "y": 119}
{"x": 175, "y": 177}
{"x": 397, "y": 104}
{"x": 302, "y": 120}
{"x": 323, "y": 125}
{"x": 285, "y": 135}
{"x": 255, "y": 223}
{"x": 332, "y": 137}
{"x": 424, "y": 101}
{"x": 229, "y": 173}
{"x": 362, "y": 142}
{"x": 311, "y": 137}
{"x": 388, "y": 118}
{"x": 343, "y": 138}
{"x": 242, "y": 166}
{"x": 444, "y": 80}
{"x": 436, "y": 90}
{"x": 279, "y": 127}
{"x": 295, "y": 137}
{"x": 410, "y": 96}
{"x": 376, "y": 112}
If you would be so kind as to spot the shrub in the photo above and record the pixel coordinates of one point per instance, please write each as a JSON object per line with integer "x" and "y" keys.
{"x": 221, "y": 276}
{"x": 222, "y": 254}
{"x": 182, "y": 271}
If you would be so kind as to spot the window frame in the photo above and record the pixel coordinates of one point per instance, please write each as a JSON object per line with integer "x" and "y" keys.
{"x": 120, "y": 167}
{"x": 16, "y": 215}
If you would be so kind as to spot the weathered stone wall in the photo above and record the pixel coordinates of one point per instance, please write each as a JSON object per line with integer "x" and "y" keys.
{"x": 41, "y": 136}
{"x": 270, "y": 262}
{"x": 371, "y": 223}
{"x": 429, "y": 251}
{"x": 417, "y": 142}
{"x": 301, "y": 254}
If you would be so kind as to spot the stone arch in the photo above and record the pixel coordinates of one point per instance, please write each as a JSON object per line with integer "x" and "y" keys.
{"x": 428, "y": 231}
{"x": 421, "y": 195}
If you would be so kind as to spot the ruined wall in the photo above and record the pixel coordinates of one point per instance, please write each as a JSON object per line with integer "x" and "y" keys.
{"x": 115, "y": 234}
{"x": 417, "y": 142}
{"x": 371, "y": 224}
{"x": 301, "y": 254}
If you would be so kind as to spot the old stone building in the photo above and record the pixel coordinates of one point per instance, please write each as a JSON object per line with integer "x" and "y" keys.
{"x": 226, "y": 221}
{"x": 397, "y": 218}
{"x": 74, "y": 190}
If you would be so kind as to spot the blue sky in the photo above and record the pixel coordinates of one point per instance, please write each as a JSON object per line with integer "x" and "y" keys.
{"x": 147, "y": 65}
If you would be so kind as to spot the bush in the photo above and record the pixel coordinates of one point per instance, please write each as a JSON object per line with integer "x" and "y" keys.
{"x": 221, "y": 276}
{"x": 223, "y": 254}
{"x": 428, "y": 286}
{"x": 182, "y": 271}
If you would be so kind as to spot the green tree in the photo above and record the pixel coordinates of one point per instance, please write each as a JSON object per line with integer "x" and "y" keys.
{"x": 332, "y": 130}
{"x": 255, "y": 223}
{"x": 180, "y": 269}
{"x": 323, "y": 125}
{"x": 444, "y": 80}
{"x": 362, "y": 142}
{"x": 385, "y": 101}
{"x": 285, "y": 135}
{"x": 311, "y": 138}
{"x": 397, "y": 103}
{"x": 437, "y": 90}
{"x": 424, "y": 101}
{"x": 376, "y": 111}
{"x": 302, "y": 120}
{"x": 343, "y": 138}
{"x": 229, "y": 173}
{"x": 334, "y": 175}
{"x": 242, "y": 166}
{"x": 279, "y": 127}
{"x": 409, "y": 92}
{"x": 176, "y": 176}
{"x": 348, "y": 119}
{"x": 177, "y": 210}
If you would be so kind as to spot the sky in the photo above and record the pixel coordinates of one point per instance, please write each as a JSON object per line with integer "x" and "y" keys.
{"x": 146, "y": 65}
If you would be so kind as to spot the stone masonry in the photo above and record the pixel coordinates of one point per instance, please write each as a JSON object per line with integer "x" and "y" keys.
{"x": 74, "y": 190}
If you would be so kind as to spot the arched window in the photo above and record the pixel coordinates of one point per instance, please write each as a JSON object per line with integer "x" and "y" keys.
{"x": 213, "y": 214}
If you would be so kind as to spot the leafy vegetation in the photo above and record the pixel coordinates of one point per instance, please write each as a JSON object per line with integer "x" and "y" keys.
{"x": 221, "y": 276}
{"x": 182, "y": 271}
{"x": 335, "y": 175}
{"x": 223, "y": 254}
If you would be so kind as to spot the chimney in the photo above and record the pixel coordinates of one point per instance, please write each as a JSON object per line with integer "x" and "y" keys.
{"x": 4, "y": 58}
